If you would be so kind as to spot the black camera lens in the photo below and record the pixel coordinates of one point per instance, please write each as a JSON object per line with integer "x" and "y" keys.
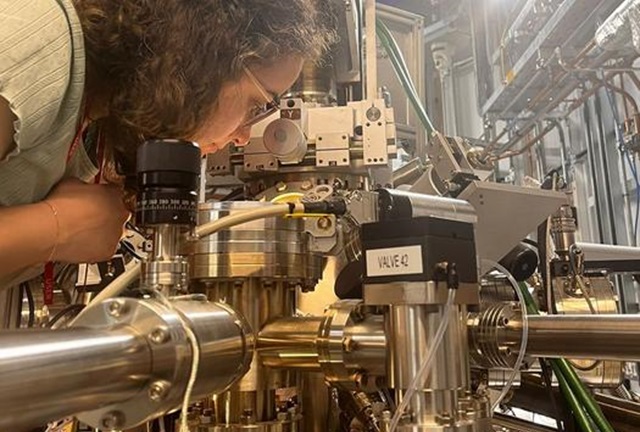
{"x": 168, "y": 177}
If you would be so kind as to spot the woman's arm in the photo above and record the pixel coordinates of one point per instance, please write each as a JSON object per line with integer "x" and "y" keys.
{"x": 6, "y": 128}
{"x": 27, "y": 236}
{"x": 77, "y": 222}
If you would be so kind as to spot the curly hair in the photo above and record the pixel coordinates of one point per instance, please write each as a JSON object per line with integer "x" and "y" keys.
{"x": 163, "y": 63}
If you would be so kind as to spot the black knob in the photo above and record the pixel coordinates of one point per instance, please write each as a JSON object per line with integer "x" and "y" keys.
{"x": 168, "y": 175}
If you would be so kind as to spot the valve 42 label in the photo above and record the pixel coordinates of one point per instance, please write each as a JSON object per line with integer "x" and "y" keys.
{"x": 404, "y": 260}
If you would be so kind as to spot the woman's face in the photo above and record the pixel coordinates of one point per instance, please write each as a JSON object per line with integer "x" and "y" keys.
{"x": 239, "y": 101}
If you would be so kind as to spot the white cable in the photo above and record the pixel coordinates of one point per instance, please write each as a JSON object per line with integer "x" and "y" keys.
{"x": 195, "y": 361}
{"x": 247, "y": 216}
{"x": 113, "y": 289}
{"x": 121, "y": 283}
{"x": 525, "y": 331}
{"x": 128, "y": 277}
{"x": 425, "y": 368}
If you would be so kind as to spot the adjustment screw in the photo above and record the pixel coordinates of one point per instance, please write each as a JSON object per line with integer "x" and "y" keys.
{"x": 324, "y": 223}
{"x": 306, "y": 185}
{"x": 159, "y": 335}
{"x": 158, "y": 390}
{"x": 116, "y": 308}
{"x": 373, "y": 114}
{"x": 112, "y": 420}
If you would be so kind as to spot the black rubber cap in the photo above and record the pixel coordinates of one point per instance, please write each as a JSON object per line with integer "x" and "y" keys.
{"x": 393, "y": 206}
{"x": 348, "y": 284}
{"x": 169, "y": 155}
{"x": 521, "y": 262}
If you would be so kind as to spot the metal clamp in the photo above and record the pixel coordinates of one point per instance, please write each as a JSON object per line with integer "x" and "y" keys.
{"x": 162, "y": 386}
{"x": 335, "y": 345}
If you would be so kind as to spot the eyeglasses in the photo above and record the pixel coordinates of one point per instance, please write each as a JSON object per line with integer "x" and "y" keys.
{"x": 261, "y": 112}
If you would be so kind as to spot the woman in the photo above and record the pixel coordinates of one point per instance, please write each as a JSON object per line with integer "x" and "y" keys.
{"x": 87, "y": 77}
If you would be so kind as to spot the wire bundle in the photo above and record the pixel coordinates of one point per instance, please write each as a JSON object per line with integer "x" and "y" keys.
{"x": 402, "y": 71}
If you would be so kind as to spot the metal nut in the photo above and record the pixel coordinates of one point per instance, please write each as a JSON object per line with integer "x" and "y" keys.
{"x": 112, "y": 420}
{"x": 158, "y": 390}
{"x": 159, "y": 335}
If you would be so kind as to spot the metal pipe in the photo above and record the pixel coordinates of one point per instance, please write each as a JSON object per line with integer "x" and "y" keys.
{"x": 127, "y": 362}
{"x": 53, "y": 374}
{"x": 293, "y": 342}
{"x": 412, "y": 330}
{"x": 601, "y": 337}
{"x": 576, "y": 104}
{"x": 518, "y": 425}
{"x": 556, "y": 99}
{"x": 409, "y": 173}
{"x": 540, "y": 96}
{"x": 290, "y": 343}
{"x": 605, "y": 252}
{"x": 625, "y": 95}
{"x": 166, "y": 270}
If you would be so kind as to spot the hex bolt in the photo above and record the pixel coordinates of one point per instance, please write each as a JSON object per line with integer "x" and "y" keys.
{"x": 306, "y": 185}
{"x": 159, "y": 335}
{"x": 112, "y": 420}
{"x": 158, "y": 390}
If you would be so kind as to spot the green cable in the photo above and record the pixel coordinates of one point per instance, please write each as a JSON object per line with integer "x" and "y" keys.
{"x": 383, "y": 30}
{"x": 406, "y": 84}
{"x": 532, "y": 308}
{"x": 402, "y": 72}
{"x": 578, "y": 411}
{"x": 400, "y": 68}
{"x": 584, "y": 395}
{"x": 569, "y": 375}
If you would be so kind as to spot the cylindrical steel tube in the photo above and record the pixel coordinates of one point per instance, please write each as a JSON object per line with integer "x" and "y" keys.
{"x": 613, "y": 258}
{"x": 366, "y": 343}
{"x": 225, "y": 341}
{"x": 412, "y": 329}
{"x": 563, "y": 229}
{"x": 409, "y": 173}
{"x": 600, "y": 337}
{"x": 52, "y": 374}
{"x": 290, "y": 343}
{"x": 225, "y": 346}
{"x": 166, "y": 270}
{"x": 127, "y": 362}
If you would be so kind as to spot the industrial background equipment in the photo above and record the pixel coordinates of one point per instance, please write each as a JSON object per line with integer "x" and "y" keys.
{"x": 394, "y": 250}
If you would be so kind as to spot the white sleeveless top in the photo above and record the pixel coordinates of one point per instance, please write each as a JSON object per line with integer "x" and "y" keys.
{"x": 42, "y": 76}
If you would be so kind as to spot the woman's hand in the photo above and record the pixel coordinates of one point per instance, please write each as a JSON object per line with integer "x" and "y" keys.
{"x": 90, "y": 220}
